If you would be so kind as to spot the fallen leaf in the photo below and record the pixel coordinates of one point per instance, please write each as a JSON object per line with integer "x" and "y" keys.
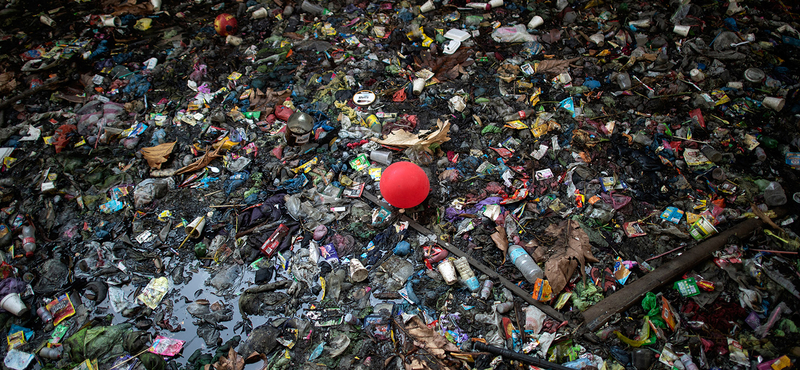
{"x": 156, "y": 155}
{"x": 425, "y": 138}
{"x": 570, "y": 250}
{"x": 202, "y": 162}
{"x": 232, "y": 362}
{"x": 500, "y": 239}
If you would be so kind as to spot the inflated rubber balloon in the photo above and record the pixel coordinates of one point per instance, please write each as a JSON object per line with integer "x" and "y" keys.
{"x": 404, "y": 185}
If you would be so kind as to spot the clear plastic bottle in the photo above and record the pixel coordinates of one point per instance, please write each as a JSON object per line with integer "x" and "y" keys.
{"x": 525, "y": 263}
{"x": 624, "y": 80}
{"x": 774, "y": 194}
{"x": 466, "y": 273}
{"x": 688, "y": 364}
{"x": 29, "y": 240}
{"x": 487, "y": 289}
{"x": 314, "y": 8}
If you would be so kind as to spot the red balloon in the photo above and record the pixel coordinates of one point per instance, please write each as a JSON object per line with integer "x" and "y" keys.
{"x": 404, "y": 185}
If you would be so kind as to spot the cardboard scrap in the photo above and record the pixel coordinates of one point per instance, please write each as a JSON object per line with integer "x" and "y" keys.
{"x": 425, "y": 138}
{"x": 425, "y": 337}
{"x": 156, "y": 155}
{"x": 570, "y": 250}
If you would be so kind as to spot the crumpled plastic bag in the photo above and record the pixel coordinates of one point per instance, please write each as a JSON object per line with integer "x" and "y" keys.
{"x": 100, "y": 343}
{"x": 518, "y": 33}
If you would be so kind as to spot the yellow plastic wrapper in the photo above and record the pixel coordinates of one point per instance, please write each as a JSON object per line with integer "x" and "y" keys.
{"x": 644, "y": 336}
{"x": 154, "y": 292}
{"x": 143, "y": 24}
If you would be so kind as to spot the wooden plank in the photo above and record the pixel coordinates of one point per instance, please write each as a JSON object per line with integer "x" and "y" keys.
{"x": 623, "y": 299}
{"x": 527, "y": 297}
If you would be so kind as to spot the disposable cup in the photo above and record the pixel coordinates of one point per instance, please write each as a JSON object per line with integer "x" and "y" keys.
{"x": 110, "y": 21}
{"x": 496, "y": 3}
{"x": 260, "y": 13}
{"x": 773, "y": 103}
{"x": 428, "y": 6}
{"x": 195, "y": 228}
{"x": 681, "y": 30}
{"x": 418, "y": 85}
{"x": 13, "y": 304}
{"x": 358, "y": 272}
{"x": 536, "y": 21}
{"x": 702, "y": 229}
{"x": 381, "y": 156}
{"x": 448, "y": 271}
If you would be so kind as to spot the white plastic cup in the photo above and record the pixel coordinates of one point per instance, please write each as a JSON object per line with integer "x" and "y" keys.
{"x": 110, "y": 21}
{"x": 681, "y": 30}
{"x": 496, "y": 3}
{"x": 536, "y": 21}
{"x": 381, "y": 156}
{"x": 418, "y": 85}
{"x": 697, "y": 75}
{"x": 358, "y": 272}
{"x": 448, "y": 271}
{"x": 773, "y": 103}
{"x": 428, "y": 6}
{"x": 260, "y": 13}
{"x": 13, "y": 304}
{"x": 195, "y": 228}
{"x": 156, "y": 5}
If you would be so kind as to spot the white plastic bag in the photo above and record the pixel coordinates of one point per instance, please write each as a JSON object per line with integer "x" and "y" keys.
{"x": 518, "y": 33}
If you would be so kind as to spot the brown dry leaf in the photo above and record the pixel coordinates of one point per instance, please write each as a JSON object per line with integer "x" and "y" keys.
{"x": 156, "y": 155}
{"x": 442, "y": 66}
{"x": 7, "y": 82}
{"x": 232, "y": 362}
{"x": 202, "y": 162}
{"x": 554, "y": 66}
{"x": 500, "y": 239}
{"x": 425, "y": 138}
{"x": 570, "y": 250}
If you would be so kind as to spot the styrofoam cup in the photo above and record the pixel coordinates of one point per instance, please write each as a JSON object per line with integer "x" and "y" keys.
{"x": 418, "y": 85}
{"x": 428, "y": 6}
{"x": 260, "y": 13}
{"x": 448, "y": 271}
{"x": 773, "y": 103}
{"x": 195, "y": 228}
{"x": 13, "y": 304}
{"x": 110, "y": 21}
{"x": 536, "y": 21}
{"x": 358, "y": 272}
{"x": 681, "y": 30}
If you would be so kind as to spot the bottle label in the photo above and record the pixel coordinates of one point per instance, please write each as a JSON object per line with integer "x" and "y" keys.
{"x": 521, "y": 114}
{"x": 28, "y": 240}
{"x": 516, "y": 253}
